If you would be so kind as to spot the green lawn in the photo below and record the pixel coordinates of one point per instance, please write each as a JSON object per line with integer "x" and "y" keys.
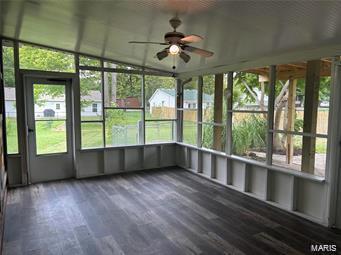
{"x": 51, "y": 135}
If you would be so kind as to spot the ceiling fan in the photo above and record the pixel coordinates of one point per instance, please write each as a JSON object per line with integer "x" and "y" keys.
{"x": 177, "y": 43}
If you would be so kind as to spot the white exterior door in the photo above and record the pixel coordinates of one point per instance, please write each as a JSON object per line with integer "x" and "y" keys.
{"x": 49, "y": 128}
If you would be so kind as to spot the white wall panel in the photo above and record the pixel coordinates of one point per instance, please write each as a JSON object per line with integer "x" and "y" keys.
{"x": 257, "y": 178}
{"x": 90, "y": 163}
{"x": 14, "y": 170}
{"x": 221, "y": 169}
{"x": 168, "y": 155}
{"x": 194, "y": 159}
{"x": 280, "y": 190}
{"x": 206, "y": 164}
{"x": 238, "y": 174}
{"x": 151, "y": 157}
{"x": 113, "y": 161}
{"x": 310, "y": 198}
{"x": 181, "y": 155}
{"x": 133, "y": 158}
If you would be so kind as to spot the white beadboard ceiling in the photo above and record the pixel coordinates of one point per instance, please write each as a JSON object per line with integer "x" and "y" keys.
{"x": 237, "y": 31}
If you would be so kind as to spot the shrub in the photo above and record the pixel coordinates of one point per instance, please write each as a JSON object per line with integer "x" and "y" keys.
{"x": 249, "y": 133}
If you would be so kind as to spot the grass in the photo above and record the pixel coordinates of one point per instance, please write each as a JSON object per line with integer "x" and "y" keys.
{"x": 51, "y": 136}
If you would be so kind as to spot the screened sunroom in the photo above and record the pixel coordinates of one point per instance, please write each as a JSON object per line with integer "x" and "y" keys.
{"x": 170, "y": 127}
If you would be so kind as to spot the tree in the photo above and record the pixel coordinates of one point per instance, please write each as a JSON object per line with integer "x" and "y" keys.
{"x": 8, "y": 65}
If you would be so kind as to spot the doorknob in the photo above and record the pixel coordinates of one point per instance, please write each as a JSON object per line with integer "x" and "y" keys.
{"x": 30, "y": 130}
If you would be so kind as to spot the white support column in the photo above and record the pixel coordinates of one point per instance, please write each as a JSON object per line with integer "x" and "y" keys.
{"x": 333, "y": 166}
{"x": 179, "y": 114}
{"x": 246, "y": 177}
{"x": 229, "y": 103}
{"x": 294, "y": 190}
{"x": 77, "y": 115}
{"x": 21, "y": 116}
{"x": 199, "y": 111}
{"x": 142, "y": 127}
{"x": 103, "y": 103}
{"x": 228, "y": 136}
{"x": 213, "y": 167}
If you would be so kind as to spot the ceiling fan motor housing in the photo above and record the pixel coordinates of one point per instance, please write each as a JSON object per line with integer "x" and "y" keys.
{"x": 175, "y": 22}
{"x": 173, "y": 37}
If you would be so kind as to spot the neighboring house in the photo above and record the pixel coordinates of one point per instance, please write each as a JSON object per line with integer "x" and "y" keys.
{"x": 166, "y": 98}
{"x": 54, "y": 106}
{"x": 93, "y": 106}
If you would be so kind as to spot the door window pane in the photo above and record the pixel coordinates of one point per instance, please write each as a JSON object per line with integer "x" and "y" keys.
{"x": 50, "y": 124}
{"x": 50, "y": 136}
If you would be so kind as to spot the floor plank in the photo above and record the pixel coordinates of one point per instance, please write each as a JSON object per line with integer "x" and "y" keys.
{"x": 169, "y": 211}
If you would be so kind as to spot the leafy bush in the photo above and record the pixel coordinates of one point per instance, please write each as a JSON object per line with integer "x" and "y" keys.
{"x": 249, "y": 133}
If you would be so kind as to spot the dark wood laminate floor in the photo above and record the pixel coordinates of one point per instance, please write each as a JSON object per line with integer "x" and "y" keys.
{"x": 167, "y": 211}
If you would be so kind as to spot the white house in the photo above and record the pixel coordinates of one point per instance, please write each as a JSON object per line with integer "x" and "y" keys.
{"x": 166, "y": 98}
{"x": 55, "y": 106}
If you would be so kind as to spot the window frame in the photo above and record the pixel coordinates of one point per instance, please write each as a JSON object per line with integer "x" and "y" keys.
{"x": 172, "y": 120}
{"x": 142, "y": 108}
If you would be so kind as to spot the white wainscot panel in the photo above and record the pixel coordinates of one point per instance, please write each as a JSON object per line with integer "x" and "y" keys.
{"x": 90, "y": 163}
{"x": 168, "y": 155}
{"x": 280, "y": 190}
{"x": 14, "y": 169}
{"x": 194, "y": 159}
{"x": 181, "y": 155}
{"x": 206, "y": 163}
{"x": 221, "y": 169}
{"x": 310, "y": 198}
{"x": 113, "y": 161}
{"x": 238, "y": 175}
{"x": 257, "y": 180}
{"x": 151, "y": 157}
{"x": 133, "y": 158}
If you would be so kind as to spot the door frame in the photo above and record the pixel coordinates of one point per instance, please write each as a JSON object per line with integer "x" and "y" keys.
{"x": 70, "y": 78}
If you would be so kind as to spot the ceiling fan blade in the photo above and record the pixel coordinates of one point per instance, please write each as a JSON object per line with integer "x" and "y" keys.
{"x": 158, "y": 43}
{"x": 185, "y": 57}
{"x": 162, "y": 54}
{"x": 201, "y": 52}
{"x": 191, "y": 39}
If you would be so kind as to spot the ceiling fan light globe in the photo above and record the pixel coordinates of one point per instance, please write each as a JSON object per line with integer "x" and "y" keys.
{"x": 174, "y": 49}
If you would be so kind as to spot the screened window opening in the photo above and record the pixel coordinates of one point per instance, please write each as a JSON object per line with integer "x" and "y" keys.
{"x": 10, "y": 97}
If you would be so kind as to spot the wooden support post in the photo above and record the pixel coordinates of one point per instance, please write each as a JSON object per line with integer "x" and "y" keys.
{"x": 291, "y": 120}
{"x": 312, "y": 86}
{"x": 218, "y": 111}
